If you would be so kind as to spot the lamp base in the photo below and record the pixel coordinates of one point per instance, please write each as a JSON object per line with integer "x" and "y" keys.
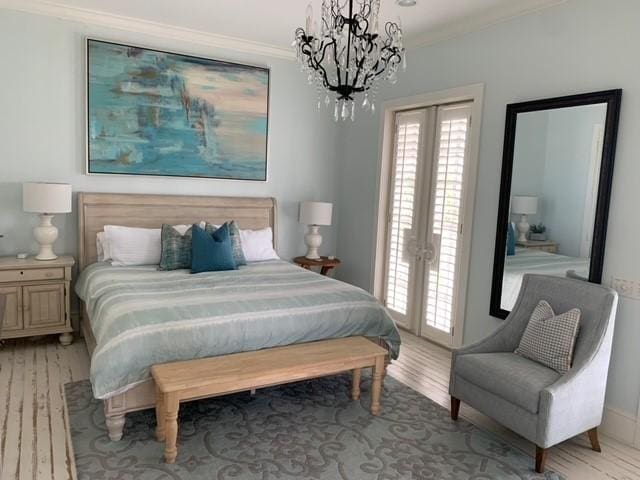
{"x": 46, "y": 234}
{"x": 523, "y": 228}
{"x": 313, "y": 239}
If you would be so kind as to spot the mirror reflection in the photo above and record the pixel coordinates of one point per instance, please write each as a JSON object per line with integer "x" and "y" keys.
{"x": 554, "y": 189}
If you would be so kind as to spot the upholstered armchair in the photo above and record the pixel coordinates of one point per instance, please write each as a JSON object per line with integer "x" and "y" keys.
{"x": 534, "y": 401}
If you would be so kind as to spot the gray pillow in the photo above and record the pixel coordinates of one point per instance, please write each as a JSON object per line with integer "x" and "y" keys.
{"x": 176, "y": 248}
{"x": 549, "y": 339}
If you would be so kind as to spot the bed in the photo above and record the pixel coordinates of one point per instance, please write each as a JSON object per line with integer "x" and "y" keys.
{"x": 135, "y": 317}
{"x": 529, "y": 260}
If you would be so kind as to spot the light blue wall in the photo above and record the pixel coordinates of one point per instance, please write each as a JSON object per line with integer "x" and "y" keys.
{"x": 42, "y": 132}
{"x": 529, "y": 156}
{"x": 552, "y": 159}
{"x": 566, "y": 173}
{"x": 577, "y": 46}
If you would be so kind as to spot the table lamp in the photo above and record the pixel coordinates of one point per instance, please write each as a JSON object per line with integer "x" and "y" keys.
{"x": 523, "y": 205}
{"x": 46, "y": 199}
{"x": 314, "y": 214}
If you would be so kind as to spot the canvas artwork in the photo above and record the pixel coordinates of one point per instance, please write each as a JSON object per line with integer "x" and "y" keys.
{"x": 157, "y": 113}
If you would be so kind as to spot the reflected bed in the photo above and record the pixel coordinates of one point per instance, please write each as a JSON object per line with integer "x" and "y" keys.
{"x": 529, "y": 260}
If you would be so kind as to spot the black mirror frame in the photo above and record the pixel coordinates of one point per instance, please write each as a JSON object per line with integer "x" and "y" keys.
{"x": 612, "y": 98}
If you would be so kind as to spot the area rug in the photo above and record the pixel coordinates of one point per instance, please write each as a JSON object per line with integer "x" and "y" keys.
{"x": 306, "y": 430}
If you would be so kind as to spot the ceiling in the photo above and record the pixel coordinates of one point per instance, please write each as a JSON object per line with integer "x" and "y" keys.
{"x": 273, "y": 22}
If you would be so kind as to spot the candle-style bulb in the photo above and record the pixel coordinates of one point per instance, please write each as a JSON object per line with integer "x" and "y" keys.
{"x": 309, "y": 18}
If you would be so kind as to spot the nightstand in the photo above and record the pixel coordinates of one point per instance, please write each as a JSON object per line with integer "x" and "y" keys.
{"x": 544, "y": 245}
{"x": 37, "y": 295}
{"x": 325, "y": 264}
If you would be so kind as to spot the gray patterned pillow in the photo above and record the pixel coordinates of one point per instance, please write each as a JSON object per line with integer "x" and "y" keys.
{"x": 549, "y": 339}
{"x": 176, "y": 249}
{"x": 236, "y": 242}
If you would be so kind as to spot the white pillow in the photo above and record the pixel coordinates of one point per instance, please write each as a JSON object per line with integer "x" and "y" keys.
{"x": 133, "y": 246}
{"x": 102, "y": 245}
{"x": 257, "y": 245}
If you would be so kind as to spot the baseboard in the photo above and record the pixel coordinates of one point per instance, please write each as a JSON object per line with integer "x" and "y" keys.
{"x": 620, "y": 426}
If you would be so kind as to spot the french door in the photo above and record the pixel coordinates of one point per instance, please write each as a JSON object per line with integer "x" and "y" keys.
{"x": 424, "y": 220}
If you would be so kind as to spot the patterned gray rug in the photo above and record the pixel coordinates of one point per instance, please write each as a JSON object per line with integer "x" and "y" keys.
{"x": 307, "y": 430}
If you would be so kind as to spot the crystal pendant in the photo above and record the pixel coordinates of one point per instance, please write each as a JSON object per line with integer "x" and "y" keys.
{"x": 319, "y": 104}
{"x": 335, "y": 111}
{"x": 404, "y": 62}
{"x": 365, "y": 103}
{"x": 345, "y": 111}
{"x": 373, "y": 107}
{"x": 327, "y": 100}
{"x": 353, "y": 110}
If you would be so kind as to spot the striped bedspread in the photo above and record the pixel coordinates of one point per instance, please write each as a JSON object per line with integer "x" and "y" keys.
{"x": 141, "y": 316}
{"x": 529, "y": 260}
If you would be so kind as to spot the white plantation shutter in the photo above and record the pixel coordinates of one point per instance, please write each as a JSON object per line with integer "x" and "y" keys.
{"x": 401, "y": 214}
{"x": 446, "y": 210}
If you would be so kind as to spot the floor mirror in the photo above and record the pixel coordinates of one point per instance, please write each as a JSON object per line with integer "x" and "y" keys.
{"x": 557, "y": 172}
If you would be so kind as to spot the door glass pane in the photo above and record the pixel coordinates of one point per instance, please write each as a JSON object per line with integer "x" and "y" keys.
{"x": 442, "y": 250}
{"x": 403, "y": 189}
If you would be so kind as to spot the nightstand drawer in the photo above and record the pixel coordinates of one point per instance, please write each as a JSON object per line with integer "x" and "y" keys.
{"x": 30, "y": 274}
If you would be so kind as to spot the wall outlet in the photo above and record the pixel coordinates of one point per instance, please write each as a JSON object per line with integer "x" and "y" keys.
{"x": 626, "y": 288}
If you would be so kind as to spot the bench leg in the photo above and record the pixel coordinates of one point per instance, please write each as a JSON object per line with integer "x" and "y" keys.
{"x": 376, "y": 386}
{"x": 171, "y": 406}
{"x": 160, "y": 418}
{"x": 355, "y": 383}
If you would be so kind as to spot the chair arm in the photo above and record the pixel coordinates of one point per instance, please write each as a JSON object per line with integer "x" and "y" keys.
{"x": 574, "y": 403}
{"x": 500, "y": 340}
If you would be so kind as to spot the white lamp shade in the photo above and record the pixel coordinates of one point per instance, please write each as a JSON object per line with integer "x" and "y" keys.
{"x": 315, "y": 213}
{"x": 524, "y": 205}
{"x": 46, "y": 197}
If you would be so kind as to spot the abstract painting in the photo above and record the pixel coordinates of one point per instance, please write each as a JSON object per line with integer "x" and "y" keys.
{"x": 157, "y": 113}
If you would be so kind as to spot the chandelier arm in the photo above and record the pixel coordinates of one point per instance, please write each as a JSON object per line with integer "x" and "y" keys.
{"x": 314, "y": 64}
{"x": 349, "y": 33}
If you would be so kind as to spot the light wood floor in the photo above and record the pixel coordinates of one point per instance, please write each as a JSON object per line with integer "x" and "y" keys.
{"x": 34, "y": 442}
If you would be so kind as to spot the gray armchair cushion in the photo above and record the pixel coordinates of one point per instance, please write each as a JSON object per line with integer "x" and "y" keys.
{"x": 507, "y": 375}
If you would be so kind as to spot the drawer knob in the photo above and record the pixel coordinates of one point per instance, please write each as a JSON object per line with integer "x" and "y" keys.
{"x": 21, "y": 272}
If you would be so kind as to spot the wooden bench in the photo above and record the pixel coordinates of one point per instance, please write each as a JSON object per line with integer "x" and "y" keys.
{"x": 208, "y": 377}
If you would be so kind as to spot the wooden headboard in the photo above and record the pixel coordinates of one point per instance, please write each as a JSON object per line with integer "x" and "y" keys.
{"x": 95, "y": 210}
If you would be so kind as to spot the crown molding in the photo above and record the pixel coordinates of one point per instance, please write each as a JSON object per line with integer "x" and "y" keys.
{"x": 480, "y": 22}
{"x": 163, "y": 30}
{"x": 156, "y": 29}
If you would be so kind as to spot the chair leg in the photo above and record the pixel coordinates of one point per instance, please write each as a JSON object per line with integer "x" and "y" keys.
{"x": 455, "y": 408}
{"x": 541, "y": 459}
{"x": 593, "y": 438}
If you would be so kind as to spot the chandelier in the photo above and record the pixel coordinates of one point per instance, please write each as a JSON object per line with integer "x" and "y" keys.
{"x": 346, "y": 55}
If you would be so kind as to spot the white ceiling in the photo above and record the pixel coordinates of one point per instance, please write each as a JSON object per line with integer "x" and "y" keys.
{"x": 273, "y": 22}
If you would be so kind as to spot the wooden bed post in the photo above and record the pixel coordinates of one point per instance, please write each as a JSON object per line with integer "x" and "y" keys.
{"x": 115, "y": 425}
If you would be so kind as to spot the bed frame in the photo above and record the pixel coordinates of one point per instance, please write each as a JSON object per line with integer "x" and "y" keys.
{"x": 96, "y": 210}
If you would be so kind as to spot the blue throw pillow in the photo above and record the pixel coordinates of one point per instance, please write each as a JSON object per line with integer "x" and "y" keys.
{"x": 511, "y": 240}
{"x": 211, "y": 252}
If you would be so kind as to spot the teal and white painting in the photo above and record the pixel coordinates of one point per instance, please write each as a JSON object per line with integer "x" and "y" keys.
{"x": 158, "y": 113}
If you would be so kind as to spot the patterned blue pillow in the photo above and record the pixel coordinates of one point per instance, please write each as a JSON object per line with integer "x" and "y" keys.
{"x": 176, "y": 249}
{"x": 211, "y": 252}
